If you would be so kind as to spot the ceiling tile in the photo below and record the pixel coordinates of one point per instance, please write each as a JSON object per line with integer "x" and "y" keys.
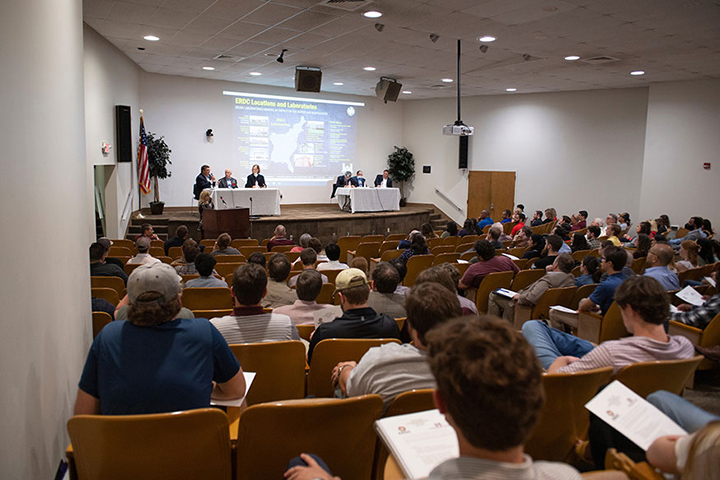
{"x": 271, "y": 14}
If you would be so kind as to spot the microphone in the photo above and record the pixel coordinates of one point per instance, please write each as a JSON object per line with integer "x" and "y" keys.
{"x": 223, "y": 200}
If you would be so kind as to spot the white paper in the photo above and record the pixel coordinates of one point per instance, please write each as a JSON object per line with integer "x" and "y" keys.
{"x": 673, "y": 309}
{"x": 511, "y": 257}
{"x": 711, "y": 282}
{"x": 249, "y": 377}
{"x": 419, "y": 441}
{"x": 504, "y": 292}
{"x": 633, "y": 416}
{"x": 691, "y": 296}
{"x": 460, "y": 260}
{"x": 560, "y": 308}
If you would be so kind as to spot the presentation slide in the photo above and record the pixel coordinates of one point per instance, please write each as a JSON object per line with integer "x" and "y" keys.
{"x": 296, "y": 141}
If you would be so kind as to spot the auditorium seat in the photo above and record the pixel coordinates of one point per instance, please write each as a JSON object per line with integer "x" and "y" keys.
{"x": 99, "y": 320}
{"x": 598, "y": 328}
{"x": 326, "y": 293}
{"x": 305, "y": 330}
{"x": 705, "y": 338}
{"x": 582, "y": 292}
{"x": 229, "y": 259}
{"x": 109, "y": 294}
{"x": 388, "y": 245}
{"x": 525, "y": 278}
{"x": 347, "y": 243}
{"x": 580, "y": 254}
{"x": 207, "y": 298}
{"x": 415, "y": 265}
{"x": 645, "y": 378}
{"x": 212, "y": 313}
{"x": 175, "y": 252}
{"x": 438, "y": 249}
{"x": 282, "y": 248}
{"x": 116, "y": 283}
{"x": 247, "y": 250}
{"x": 541, "y": 310}
{"x": 209, "y": 244}
{"x": 492, "y": 281}
{"x": 446, "y": 258}
{"x": 244, "y": 242}
{"x": 224, "y": 269}
{"x": 366, "y": 250}
{"x": 396, "y": 237}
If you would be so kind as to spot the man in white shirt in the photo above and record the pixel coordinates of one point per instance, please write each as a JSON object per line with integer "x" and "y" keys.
{"x": 383, "y": 180}
{"x": 332, "y": 251}
{"x": 143, "y": 245}
{"x": 301, "y": 312}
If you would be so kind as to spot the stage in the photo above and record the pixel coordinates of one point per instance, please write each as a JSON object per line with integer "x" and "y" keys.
{"x": 325, "y": 221}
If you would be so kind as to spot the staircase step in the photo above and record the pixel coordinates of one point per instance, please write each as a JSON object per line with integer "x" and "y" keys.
{"x": 151, "y": 220}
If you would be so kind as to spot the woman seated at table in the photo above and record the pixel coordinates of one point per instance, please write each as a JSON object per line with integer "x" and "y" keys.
{"x": 255, "y": 180}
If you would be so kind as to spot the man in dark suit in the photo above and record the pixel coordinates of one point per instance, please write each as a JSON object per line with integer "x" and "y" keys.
{"x": 342, "y": 181}
{"x": 203, "y": 181}
{"x": 227, "y": 181}
{"x": 255, "y": 180}
{"x": 383, "y": 180}
{"x": 358, "y": 180}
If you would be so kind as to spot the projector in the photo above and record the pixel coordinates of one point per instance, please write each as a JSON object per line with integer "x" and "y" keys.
{"x": 461, "y": 130}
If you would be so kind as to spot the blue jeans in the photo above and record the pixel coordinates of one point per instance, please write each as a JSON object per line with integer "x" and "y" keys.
{"x": 550, "y": 343}
{"x": 682, "y": 412}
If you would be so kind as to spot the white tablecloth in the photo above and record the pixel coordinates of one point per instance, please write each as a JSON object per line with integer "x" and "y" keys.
{"x": 369, "y": 199}
{"x": 265, "y": 201}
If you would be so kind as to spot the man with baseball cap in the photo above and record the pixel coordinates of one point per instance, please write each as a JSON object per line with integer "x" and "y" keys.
{"x": 358, "y": 320}
{"x": 156, "y": 362}
{"x": 143, "y": 245}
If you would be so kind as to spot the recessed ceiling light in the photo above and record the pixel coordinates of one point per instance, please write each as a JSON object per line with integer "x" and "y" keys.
{"x": 486, "y": 39}
{"x": 511, "y": 89}
{"x": 255, "y": 74}
{"x": 338, "y": 83}
{"x": 572, "y": 58}
{"x": 407, "y": 92}
{"x": 637, "y": 72}
{"x": 372, "y": 14}
{"x": 209, "y": 68}
{"x": 151, "y": 38}
{"x": 369, "y": 69}
{"x": 447, "y": 80}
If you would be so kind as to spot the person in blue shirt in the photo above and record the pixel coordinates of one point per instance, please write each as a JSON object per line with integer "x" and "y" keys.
{"x": 612, "y": 263}
{"x": 658, "y": 259}
{"x": 589, "y": 271}
{"x": 484, "y": 220}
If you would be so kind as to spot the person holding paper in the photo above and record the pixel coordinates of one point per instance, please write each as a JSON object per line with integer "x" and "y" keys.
{"x": 694, "y": 457}
{"x": 700, "y": 315}
{"x": 644, "y": 305}
{"x": 489, "y": 388}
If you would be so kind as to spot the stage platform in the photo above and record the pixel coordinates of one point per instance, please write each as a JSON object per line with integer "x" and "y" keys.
{"x": 324, "y": 221}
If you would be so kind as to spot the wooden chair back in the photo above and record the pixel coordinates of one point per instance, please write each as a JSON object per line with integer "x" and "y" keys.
{"x": 446, "y": 258}
{"x": 433, "y": 242}
{"x": 264, "y": 242}
{"x": 491, "y": 282}
{"x": 580, "y": 254}
{"x": 279, "y": 370}
{"x": 207, "y": 298}
{"x": 175, "y": 252}
{"x": 156, "y": 252}
{"x": 388, "y": 245}
{"x": 130, "y": 267}
{"x": 123, "y": 242}
{"x": 118, "y": 251}
{"x": 373, "y": 238}
{"x": 521, "y": 263}
{"x": 705, "y": 338}
{"x": 465, "y": 247}
{"x": 681, "y": 232}
{"x": 109, "y": 294}
{"x": 326, "y": 292}
{"x": 208, "y": 242}
{"x": 638, "y": 265}
{"x": 438, "y": 249}
{"x": 117, "y": 447}
{"x": 347, "y": 243}
{"x": 244, "y": 242}
{"x": 282, "y": 248}
{"x": 388, "y": 255}
{"x": 415, "y": 265}
{"x": 618, "y": 461}
{"x": 461, "y": 267}
{"x": 582, "y": 292}
{"x": 541, "y": 310}
{"x": 331, "y": 274}
{"x": 597, "y": 329}
{"x": 225, "y": 269}
{"x": 467, "y": 256}
{"x": 165, "y": 259}
{"x": 470, "y": 239}
{"x": 367, "y": 250}
{"x": 691, "y": 274}
{"x": 229, "y": 259}
{"x": 397, "y": 237}
{"x": 99, "y": 320}
{"x": 645, "y": 378}
{"x": 189, "y": 276}
{"x": 116, "y": 283}
{"x": 340, "y": 431}
{"x": 576, "y": 271}
{"x": 452, "y": 240}
{"x": 247, "y": 250}
{"x": 305, "y": 331}
{"x": 212, "y": 313}
{"x": 329, "y": 353}
{"x": 517, "y": 251}
{"x": 563, "y": 418}
{"x": 525, "y": 278}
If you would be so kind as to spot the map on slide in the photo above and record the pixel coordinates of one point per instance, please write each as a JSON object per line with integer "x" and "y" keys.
{"x": 294, "y": 140}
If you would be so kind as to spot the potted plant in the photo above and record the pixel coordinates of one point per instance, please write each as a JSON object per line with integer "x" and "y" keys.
{"x": 158, "y": 160}
{"x": 401, "y": 166}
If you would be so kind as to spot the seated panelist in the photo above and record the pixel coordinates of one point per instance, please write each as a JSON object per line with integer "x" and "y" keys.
{"x": 358, "y": 180}
{"x": 227, "y": 181}
{"x": 255, "y": 180}
{"x": 383, "y": 180}
{"x": 203, "y": 181}
{"x": 342, "y": 181}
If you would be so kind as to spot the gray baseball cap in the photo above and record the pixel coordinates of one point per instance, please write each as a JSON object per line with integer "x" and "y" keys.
{"x": 156, "y": 277}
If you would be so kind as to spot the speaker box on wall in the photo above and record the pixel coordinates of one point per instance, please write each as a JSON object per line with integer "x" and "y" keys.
{"x": 123, "y": 136}
{"x": 307, "y": 79}
{"x": 388, "y": 89}
{"x": 463, "y": 158}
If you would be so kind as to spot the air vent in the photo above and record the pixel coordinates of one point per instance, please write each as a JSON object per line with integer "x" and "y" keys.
{"x": 227, "y": 58}
{"x": 440, "y": 86}
{"x": 347, "y": 5}
{"x": 600, "y": 60}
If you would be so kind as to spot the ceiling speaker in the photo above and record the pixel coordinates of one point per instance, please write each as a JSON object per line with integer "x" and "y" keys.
{"x": 307, "y": 79}
{"x": 388, "y": 89}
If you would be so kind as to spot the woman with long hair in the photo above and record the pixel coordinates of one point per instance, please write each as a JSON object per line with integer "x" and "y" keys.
{"x": 689, "y": 256}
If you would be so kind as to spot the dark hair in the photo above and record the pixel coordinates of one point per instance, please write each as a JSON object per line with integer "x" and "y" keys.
{"x": 579, "y": 242}
{"x": 190, "y": 250}
{"x": 538, "y": 242}
{"x": 584, "y": 213}
{"x": 527, "y": 230}
{"x": 645, "y": 228}
{"x": 707, "y": 227}
{"x": 521, "y": 216}
{"x": 204, "y": 167}
{"x": 665, "y": 220}
{"x": 385, "y": 277}
{"x": 400, "y": 266}
{"x": 592, "y": 264}
{"x": 698, "y": 222}
{"x": 468, "y": 225}
{"x": 484, "y": 249}
{"x": 181, "y": 231}
{"x": 223, "y": 241}
{"x": 646, "y": 296}
{"x": 249, "y": 283}
{"x": 506, "y": 213}
{"x": 540, "y": 212}
{"x": 617, "y": 256}
{"x": 428, "y": 305}
{"x": 555, "y": 242}
{"x": 146, "y": 226}
{"x": 308, "y": 257}
{"x": 316, "y": 245}
{"x": 279, "y": 267}
{"x": 615, "y": 229}
{"x": 332, "y": 251}
{"x": 706, "y": 250}
{"x": 427, "y": 230}
{"x": 595, "y": 230}
{"x": 494, "y": 232}
{"x": 356, "y": 295}
{"x": 309, "y": 285}
{"x": 439, "y": 275}
{"x": 204, "y": 264}
{"x": 149, "y": 310}
{"x": 561, "y": 232}
{"x": 521, "y": 206}
{"x": 418, "y": 245}
{"x": 642, "y": 244}
{"x": 97, "y": 250}
{"x": 257, "y": 258}
{"x": 565, "y": 262}
{"x": 489, "y": 379}
{"x": 452, "y": 228}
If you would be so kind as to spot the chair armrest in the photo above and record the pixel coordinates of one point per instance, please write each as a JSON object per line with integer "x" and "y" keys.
{"x": 523, "y": 313}
{"x": 589, "y": 325}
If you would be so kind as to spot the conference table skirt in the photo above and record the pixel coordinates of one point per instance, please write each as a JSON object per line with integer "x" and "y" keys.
{"x": 265, "y": 201}
{"x": 369, "y": 199}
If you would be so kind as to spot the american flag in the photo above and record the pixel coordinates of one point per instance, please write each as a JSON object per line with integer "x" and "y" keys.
{"x": 142, "y": 158}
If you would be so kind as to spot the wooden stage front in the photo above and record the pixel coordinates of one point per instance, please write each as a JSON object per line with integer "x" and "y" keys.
{"x": 324, "y": 221}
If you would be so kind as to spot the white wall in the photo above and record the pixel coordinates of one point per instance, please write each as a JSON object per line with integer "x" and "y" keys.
{"x": 683, "y": 132}
{"x": 111, "y": 79}
{"x": 47, "y": 225}
{"x": 571, "y": 150}
{"x": 182, "y": 109}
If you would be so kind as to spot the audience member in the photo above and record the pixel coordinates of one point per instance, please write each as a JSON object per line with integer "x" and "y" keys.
{"x": 333, "y": 255}
{"x": 278, "y": 292}
{"x": 468, "y": 228}
{"x": 537, "y": 219}
{"x": 360, "y": 263}
{"x": 358, "y": 320}
{"x": 487, "y": 263}
{"x": 279, "y": 238}
{"x": 441, "y": 274}
{"x": 550, "y": 215}
{"x": 402, "y": 271}
{"x": 451, "y": 230}
{"x": 691, "y": 457}
{"x": 258, "y": 258}
{"x": 428, "y": 231}
{"x": 100, "y": 268}
{"x": 302, "y": 311}
{"x": 126, "y": 369}
{"x": 593, "y": 237}
{"x": 699, "y": 316}
{"x": 522, "y": 237}
{"x": 589, "y": 271}
{"x": 580, "y": 221}
{"x": 536, "y": 245}
{"x": 553, "y": 244}
{"x": 383, "y": 299}
{"x": 417, "y": 247}
{"x": 303, "y": 243}
{"x": 689, "y": 256}
{"x": 107, "y": 243}
{"x": 695, "y": 226}
{"x": 102, "y": 305}
{"x": 484, "y": 220}
{"x": 642, "y": 246}
{"x": 658, "y": 259}
{"x": 579, "y": 243}
{"x": 308, "y": 257}
{"x": 205, "y": 266}
{"x": 222, "y": 246}
{"x": 494, "y": 237}
{"x": 177, "y": 241}
{"x": 506, "y": 216}
{"x": 317, "y": 245}
{"x": 613, "y": 232}
{"x": 146, "y": 230}
{"x": 248, "y": 322}
{"x": 142, "y": 257}
{"x": 190, "y": 251}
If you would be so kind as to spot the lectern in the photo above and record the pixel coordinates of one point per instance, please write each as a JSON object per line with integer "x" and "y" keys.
{"x": 235, "y": 221}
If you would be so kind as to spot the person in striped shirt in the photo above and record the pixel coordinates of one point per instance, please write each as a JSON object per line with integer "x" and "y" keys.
{"x": 644, "y": 305}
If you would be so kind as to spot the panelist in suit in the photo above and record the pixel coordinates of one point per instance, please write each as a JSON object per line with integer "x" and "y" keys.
{"x": 358, "y": 180}
{"x": 342, "y": 181}
{"x": 255, "y": 180}
{"x": 227, "y": 181}
{"x": 203, "y": 181}
{"x": 383, "y": 180}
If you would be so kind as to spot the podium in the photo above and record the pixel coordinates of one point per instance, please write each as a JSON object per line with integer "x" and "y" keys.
{"x": 235, "y": 221}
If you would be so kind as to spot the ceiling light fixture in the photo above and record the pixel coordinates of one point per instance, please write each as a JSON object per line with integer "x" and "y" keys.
{"x": 151, "y": 38}
{"x": 209, "y": 68}
{"x": 434, "y": 37}
{"x": 369, "y": 69}
{"x": 379, "y": 27}
{"x": 511, "y": 89}
{"x": 572, "y": 58}
{"x": 372, "y": 14}
{"x": 484, "y": 48}
{"x": 280, "y": 58}
{"x": 339, "y": 84}
{"x": 637, "y": 73}
{"x": 447, "y": 80}
{"x": 255, "y": 74}
{"x": 486, "y": 39}
{"x": 407, "y": 92}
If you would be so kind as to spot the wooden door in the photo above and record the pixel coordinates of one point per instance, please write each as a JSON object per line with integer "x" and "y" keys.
{"x": 494, "y": 191}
